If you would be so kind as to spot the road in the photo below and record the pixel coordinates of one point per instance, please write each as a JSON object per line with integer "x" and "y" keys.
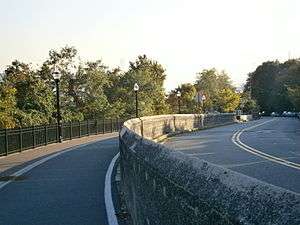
{"x": 67, "y": 189}
{"x": 267, "y": 149}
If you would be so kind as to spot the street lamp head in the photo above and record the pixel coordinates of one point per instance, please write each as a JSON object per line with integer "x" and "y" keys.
{"x": 178, "y": 94}
{"x": 136, "y": 87}
{"x": 56, "y": 73}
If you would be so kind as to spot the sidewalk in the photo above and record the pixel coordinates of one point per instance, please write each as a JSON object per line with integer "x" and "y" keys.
{"x": 17, "y": 159}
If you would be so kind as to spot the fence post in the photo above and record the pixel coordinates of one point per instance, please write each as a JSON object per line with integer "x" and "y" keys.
{"x": 96, "y": 124}
{"x": 79, "y": 128}
{"x": 21, "y": 138}
{"x": 57, "y": 133}
{"x": 62, "y": 131}
{"x": 71, "y": 130}
{"x": 88, "y": 127}
{"x": 103, "y": 127}
{"x": 46, "y": 134}
{"x": 111, "y": 125}
{"x": 6, "y": 141}
{"x": 33, "y": 136}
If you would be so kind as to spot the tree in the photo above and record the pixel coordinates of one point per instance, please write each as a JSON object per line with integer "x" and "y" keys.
{"x": 217, "y": 88}
{"x": 34, "y": 99}
{"x": 261, "y": 85}
{"x": 172, "y": 101}
{"x": 292, "y": 82}
{"x": 211, "y": 83}
{"x": 82, "y": 90}
{"x": 274, "y": 85}
{"x": 247, "y": 104}
{"x": 94, "y": 81}
{"x": 188, "y": 93}
{"x": 150, "y": 76}
{"x": 114, "y": 92}
{"x": 294, "y": 95}
{"x": 188, "y": 103}
{"x": 7, "y": 106}
{"x": 91, "y": 91}
{"x": 71, "y": 104}
{"x": 227, "y": 100}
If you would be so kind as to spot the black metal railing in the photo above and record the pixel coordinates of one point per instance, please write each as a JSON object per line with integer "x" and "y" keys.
{"x": 20, "y": 139}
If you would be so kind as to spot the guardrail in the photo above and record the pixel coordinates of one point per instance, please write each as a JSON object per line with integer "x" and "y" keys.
{"x": 20, "y": 139}
{"x": 166, "y": 187}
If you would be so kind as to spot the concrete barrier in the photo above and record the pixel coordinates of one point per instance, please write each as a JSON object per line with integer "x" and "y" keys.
{"x": 166, "y": 187}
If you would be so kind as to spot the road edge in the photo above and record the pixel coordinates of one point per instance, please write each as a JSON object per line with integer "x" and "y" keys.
{"x": 109, "y": 205}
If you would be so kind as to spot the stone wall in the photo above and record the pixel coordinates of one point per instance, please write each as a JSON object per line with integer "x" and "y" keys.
{"x": 166, "y": 187}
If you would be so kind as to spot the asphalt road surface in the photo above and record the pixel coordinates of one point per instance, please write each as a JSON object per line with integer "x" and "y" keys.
{"x": 267, "y": 149}
{"x": 67, "y": 189}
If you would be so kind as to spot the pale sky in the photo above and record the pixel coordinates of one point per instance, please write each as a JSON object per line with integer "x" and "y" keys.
{"x": 184, "y": 36}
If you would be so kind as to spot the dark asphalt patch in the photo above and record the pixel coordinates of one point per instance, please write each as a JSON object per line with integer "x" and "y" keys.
{"x": 14, "y": 178}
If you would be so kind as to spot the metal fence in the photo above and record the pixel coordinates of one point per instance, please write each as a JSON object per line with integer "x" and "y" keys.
{"x": 20, "y": 139}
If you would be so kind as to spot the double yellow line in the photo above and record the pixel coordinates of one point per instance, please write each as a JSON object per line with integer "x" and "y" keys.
{"x": 236, "y": 140}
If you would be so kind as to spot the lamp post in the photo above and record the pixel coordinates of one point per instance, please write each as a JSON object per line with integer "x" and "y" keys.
{"x": 136, "y": 89}
{"x": 57, "y": 75}
{"x": 178, "y": 94}
{"x": 203, "y": 98}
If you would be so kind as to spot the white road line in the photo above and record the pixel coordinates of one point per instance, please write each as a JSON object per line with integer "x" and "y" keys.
{"x": 41, "y": 161}
{"x": 236, "y": 140}
{"x": 109, "y": 205}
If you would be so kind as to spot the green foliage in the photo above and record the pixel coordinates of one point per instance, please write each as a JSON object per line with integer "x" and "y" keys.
{"x": 188, "y": 93}
{"x": 217, "y": 88}
{"x": 150, "y": 77}
{"x": 294, "y": 95}
{"x": 27, "y": 96}
{"x": 34, "y": 99}
{"x": 94, "y": 80}
{"x": 172, "y": 101}
{"x": 92, "y": 90}
{"x": 7, "y": 106}
{"x": 187, "y": 100}
{"x": 70, "y": 84}
{"x": 212, "y": 84}
{"x": 274, "y": 86}
{"x": 227, "y": 100}
{"x": 247, "y": 104}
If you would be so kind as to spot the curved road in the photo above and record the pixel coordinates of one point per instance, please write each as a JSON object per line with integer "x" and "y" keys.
{"x": 267, "y": 149}
{"x": 67, "y": 189}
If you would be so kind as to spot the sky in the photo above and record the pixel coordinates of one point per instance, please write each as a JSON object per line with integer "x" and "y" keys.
{"x": 185, "y": 36}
